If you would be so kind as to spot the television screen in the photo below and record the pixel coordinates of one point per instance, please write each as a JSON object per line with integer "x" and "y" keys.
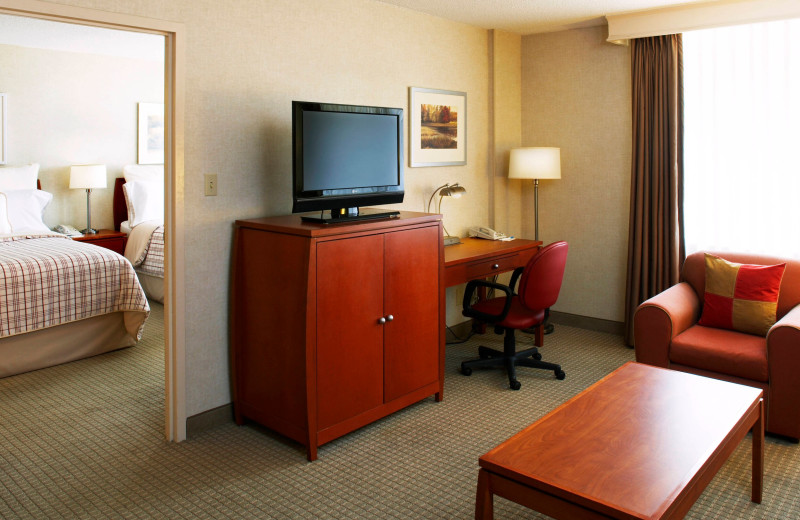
{"x": 346, "y": 156}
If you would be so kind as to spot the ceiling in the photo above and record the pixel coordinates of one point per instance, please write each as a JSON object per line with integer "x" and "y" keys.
{"x": 531, "y": 16}
{"x": 45, "y": 34}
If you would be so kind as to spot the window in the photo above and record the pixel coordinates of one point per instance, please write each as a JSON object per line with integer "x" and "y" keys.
{"x": 742, "y": 139}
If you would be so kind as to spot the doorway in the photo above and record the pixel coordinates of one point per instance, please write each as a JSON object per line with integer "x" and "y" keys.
{"x": 174, "y": 37}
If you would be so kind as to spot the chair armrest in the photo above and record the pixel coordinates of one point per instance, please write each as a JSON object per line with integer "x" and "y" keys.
{"x": 514, "y": 278}
{"x": 660, "y": 319}
{"x": 470, "y": 312}
{"x": 783, "y": 355}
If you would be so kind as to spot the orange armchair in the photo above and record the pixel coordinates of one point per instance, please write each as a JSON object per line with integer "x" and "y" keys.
{"x": 666, "y": 334}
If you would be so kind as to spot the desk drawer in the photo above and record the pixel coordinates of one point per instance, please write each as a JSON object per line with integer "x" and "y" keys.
{"x": 493, "y": 266}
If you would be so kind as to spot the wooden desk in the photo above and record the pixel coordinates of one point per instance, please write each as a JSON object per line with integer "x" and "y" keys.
{"x": 643, "y": 442}
{"x": 479, "y": 258}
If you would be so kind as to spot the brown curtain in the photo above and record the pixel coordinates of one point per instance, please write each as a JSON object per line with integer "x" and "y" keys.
{"x": 655, "y": 240}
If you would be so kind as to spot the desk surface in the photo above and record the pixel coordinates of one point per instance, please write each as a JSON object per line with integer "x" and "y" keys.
{"x": 480, "y": 258}
{"x": 471, "y": 249}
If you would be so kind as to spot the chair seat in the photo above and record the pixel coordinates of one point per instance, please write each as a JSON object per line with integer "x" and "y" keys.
{"x": 519, "y": 316}
{"x": 723, "y": 351}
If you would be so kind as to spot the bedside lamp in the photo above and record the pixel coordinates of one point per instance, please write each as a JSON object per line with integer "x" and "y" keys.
{"x": 447, "y": 190}
{"x": 535, "y": 163}
{"x": 88, "y": 177}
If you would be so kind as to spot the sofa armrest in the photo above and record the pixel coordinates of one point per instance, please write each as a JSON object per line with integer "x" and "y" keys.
{"x": 783, "y": 356}
{"x": 660, "y": 319}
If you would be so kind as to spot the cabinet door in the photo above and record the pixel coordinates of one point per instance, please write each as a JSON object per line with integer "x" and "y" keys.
{"x": 349, "y": 335}
{"x": 411, "y": 340}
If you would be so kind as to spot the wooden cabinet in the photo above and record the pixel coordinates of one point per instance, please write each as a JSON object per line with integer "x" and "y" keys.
{"x": 335, "y": 326}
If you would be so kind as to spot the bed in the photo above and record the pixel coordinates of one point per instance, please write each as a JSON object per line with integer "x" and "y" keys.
{"x": 138, "y": 209}
{"x": 60, "y": 299}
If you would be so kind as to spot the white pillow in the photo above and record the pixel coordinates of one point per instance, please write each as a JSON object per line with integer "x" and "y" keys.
{"x": 5, "y": 225}
{"x": 19, "y": 177}
{"x": 26, "y": 210}
{"x": 145, "y": 201}
{"x": 144, "y": 172}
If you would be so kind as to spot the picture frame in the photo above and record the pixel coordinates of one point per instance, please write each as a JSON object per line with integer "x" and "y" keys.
{"x": 437, "y": 134}
{"x": 3, "y": 152}
{"x": 151, "y": 133}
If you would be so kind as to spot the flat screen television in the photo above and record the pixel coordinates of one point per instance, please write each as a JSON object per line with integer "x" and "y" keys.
{"x": 346, "y": 157}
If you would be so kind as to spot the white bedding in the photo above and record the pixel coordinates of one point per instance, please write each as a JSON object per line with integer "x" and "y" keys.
{"x": 145, "y": 251}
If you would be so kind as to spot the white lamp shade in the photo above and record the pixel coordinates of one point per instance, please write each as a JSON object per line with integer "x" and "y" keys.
{"x": 87, "y": 176}
{"x": 535, "y": 163}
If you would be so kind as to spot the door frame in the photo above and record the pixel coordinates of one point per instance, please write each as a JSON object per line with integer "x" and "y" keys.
{"x": 174, "y": 91}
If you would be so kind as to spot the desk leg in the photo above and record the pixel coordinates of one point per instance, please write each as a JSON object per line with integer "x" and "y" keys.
{"x": 758, "y": 455}
{"x": 484, "y": 503}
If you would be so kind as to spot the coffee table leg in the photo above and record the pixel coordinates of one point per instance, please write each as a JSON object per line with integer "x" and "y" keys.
{"x": 758, "y": 455}
{"x": 484, "y": 504}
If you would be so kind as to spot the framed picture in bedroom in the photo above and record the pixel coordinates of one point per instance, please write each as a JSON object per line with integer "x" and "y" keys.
{"x": 2, "y": 129}
{"x": 151, "y": 133}
{"x": 437, "y": 127}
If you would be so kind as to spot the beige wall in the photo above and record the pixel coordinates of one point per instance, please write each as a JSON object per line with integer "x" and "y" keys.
{"x": 245, "y": 62}
{"x": 67, "y": 108}
{"x": 576, "y": 96}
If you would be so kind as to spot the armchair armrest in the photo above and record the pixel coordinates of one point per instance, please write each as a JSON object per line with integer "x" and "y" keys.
{"x": 783, "y": 354}
{"x": 471, "y": 312}
{"x": 660, "y": 319}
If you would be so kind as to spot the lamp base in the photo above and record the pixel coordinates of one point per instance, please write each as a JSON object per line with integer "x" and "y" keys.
{"x": 89, "y": 231}
{"x": 451, "y": 241}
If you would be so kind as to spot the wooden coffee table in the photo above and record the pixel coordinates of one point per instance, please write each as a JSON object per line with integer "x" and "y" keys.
{"x": 643, "y": 442}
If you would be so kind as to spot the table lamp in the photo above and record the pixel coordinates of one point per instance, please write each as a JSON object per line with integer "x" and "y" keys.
{"x": 88, "y": 177}
{"x": 535, "y": 163}
{"x": 447, "y": 190}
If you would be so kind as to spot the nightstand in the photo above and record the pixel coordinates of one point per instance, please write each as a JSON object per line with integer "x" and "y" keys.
{"x": 113, "y": 240}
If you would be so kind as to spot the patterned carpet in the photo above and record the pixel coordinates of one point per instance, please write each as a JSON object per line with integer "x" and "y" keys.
{"x": 85, "y": 440}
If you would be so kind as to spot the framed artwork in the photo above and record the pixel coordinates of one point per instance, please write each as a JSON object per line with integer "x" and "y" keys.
{"x": 151, "y": 133}
{"x": 3, "y": 129}
{"x": 437, "y": 127}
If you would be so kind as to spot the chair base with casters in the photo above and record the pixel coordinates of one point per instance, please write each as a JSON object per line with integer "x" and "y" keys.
{"x": 510, "y": 358}
{"x": 539, "y": 285}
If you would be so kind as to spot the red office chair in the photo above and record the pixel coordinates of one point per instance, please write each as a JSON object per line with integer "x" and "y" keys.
{"x": 539, "y": 285}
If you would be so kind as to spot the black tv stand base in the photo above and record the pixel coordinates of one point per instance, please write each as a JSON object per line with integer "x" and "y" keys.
{"x": 335, "y": 217}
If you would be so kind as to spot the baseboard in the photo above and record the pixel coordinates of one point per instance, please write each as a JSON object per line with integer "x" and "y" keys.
{"x": 463, "y": 329}
{"x": 209, "y": 419}
{"x": 585, "y": 322}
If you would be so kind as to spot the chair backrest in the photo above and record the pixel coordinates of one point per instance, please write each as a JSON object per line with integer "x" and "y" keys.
{"x": 694, "y": 272}
{"x": 541, "y": 279}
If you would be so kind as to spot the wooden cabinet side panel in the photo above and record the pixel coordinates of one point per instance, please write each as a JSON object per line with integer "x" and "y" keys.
{"x": 269, "y": 327}
{"x": 349, "y": 336}
{"x": 412, "y": 297}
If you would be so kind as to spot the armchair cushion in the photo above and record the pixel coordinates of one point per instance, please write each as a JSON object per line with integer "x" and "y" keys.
{"x": 722, "y": 351}
{"x": 741, "y": 297}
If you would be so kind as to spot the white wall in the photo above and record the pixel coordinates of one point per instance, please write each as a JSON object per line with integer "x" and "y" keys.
{"x": 68, "y": 108}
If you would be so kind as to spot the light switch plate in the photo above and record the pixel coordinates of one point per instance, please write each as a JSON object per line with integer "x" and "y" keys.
{"x": 211, "y": 184}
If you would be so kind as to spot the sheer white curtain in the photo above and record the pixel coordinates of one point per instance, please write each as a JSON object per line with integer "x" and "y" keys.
{"x": 742, "y": 139}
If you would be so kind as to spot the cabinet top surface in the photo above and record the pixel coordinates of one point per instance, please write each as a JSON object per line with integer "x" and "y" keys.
{"x": 293, "y": 225}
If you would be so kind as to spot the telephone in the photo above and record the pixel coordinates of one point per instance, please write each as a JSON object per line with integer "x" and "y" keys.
{"x": 488, "y": 233}
{"x": 66, "y": 229}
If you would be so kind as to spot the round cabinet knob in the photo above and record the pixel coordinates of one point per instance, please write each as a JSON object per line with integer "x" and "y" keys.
{"x": 496, "y": 266}
{"x": 389, "y": 317}
{"x": 382, "y": 320}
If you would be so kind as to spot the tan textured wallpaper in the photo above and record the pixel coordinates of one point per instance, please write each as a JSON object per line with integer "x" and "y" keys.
{"x": 576, "y": 96}
{"x": 246, "y": 61}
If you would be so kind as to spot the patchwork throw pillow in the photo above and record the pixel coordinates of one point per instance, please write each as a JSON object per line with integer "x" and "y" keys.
{"x": 741, "y": 297}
